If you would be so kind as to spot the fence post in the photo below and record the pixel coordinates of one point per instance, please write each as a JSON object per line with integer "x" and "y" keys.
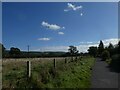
{"x": 28, "y": 69}
{"x": 72, "y": 59}
{"x": 54, "y": 63}
{"x": 76, "y": 58}
{"x": 65, "y": 60}
{"x": 79, "y": 57}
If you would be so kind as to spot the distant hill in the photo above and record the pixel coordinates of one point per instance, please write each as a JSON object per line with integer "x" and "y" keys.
{"x": 34, "y": 54}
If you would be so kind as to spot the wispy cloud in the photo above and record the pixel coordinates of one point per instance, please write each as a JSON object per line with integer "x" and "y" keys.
{"x": 61, "y": 33}
{"x": 53, "y": 48}
{"x": 86, "y": 42}
{"x": 44, "y": 39}
{"x": 72, "y": 7}
{"x": 51, "y": 26}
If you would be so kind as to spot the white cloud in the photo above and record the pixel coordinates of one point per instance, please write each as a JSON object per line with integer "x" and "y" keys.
{"x": 44, "y": 39}
{"x": 86, "y": 42}
{"x": 81, "y": 14}
{"x": 89, "y": 42}
{"x": 63, "y": 27}
{"x": 72, "y": 7}
{"x": 83, "y": 47}
{"x": 112, "y": 40}
{"x": 51, "y": 26}
{"x": 61, "y": 33}
{"x": 66, "y": 10}
{"x": 53, "y": 48}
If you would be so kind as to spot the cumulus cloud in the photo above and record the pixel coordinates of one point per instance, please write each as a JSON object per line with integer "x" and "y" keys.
{"x": 61, "y": 33}
{"x": 72, "y": 7}
{"x": 51, "y": 26}
{"x": 114, "y": 41}
{"x": 44, "y": 39}
{"x": 85, "y": 45}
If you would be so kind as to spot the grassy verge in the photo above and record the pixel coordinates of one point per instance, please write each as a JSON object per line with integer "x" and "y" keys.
{"x": 74, "y": 74}
{"x": 108, "y": 61}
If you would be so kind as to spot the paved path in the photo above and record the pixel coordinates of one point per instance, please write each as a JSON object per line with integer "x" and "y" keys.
{"x": 102, "y": 77}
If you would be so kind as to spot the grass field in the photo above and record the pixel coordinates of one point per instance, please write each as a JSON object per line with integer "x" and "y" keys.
{"x": 73, "y": 74}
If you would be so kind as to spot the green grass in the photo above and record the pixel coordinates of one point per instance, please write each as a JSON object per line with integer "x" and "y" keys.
{"x": 108, "y": 61}
{"x": 74, "y": 74}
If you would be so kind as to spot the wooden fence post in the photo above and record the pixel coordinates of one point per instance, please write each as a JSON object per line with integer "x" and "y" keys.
{"x": 80, "y": 58}
{"x": 54, "y": 63}
{"x": 76, "y": 58}
{"x": 28, "y": 69}
{"x": 72, "y": 59}
{"x": 65, "y": 60}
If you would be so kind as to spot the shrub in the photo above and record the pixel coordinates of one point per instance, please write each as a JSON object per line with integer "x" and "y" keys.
{"x": 105, "y": 55}
{"x": 115, "y": 63}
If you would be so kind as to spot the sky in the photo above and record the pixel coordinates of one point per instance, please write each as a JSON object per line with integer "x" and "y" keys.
{"x": 50, "y": 26}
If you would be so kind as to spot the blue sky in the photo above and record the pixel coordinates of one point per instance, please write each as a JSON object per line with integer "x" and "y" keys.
{"x": 55, "y": 26}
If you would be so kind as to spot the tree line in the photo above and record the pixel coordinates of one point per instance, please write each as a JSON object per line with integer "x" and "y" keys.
{"x": 17, "y": 53}
{"x": 100, "y": 51}
{"x": 104, "y": 52}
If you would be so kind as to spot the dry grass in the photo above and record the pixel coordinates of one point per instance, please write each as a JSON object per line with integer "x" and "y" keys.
{"x": 13, "y": 67}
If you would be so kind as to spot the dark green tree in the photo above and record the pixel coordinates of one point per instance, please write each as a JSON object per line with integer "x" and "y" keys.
{"x": 2, "y": 50}
{"x": 111, "y": 46}
{"x": 100, "y": 48}
{"x": 15, "y": 52}
{"x": 105, "y": 55}
{"x": 119, "y": 47}
{"x": 92, "y": 51}
{"x": 111, "y": 49}
{"x": 73, "y": 50}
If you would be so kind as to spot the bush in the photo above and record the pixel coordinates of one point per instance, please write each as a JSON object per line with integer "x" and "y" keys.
{"x": 105, "y": 55}
{"x": 115, "y": 63}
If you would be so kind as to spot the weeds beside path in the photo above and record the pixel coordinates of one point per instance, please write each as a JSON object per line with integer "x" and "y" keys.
{"x": 102, "y": 77}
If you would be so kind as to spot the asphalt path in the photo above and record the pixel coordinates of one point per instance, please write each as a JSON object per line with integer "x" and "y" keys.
{"x": 102, "y": 77}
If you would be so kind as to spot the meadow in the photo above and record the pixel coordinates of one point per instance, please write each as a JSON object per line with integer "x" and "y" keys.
{"x": 68, "y": 72}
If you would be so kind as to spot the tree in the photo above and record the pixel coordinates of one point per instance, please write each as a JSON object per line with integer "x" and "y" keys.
{"x": 111, "y": 46}
{"x": 2, "y": 50}
{"x": 100, "y": 48}
{"x": 119, "y": 47}
{"x": 111, "y": 49}
{"x": 105, "y": 55}
{"x": 92, "y": 51}
{"x": 72, "y": 50}
{"x": 14, "y": 52}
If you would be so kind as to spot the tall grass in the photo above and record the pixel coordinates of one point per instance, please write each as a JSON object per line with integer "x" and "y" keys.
{"x": 74, "y": 74}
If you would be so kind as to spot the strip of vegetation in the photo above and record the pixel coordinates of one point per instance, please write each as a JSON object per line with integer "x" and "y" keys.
{"x": 110, "y": 54}
{"x": 73, "y": 74}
